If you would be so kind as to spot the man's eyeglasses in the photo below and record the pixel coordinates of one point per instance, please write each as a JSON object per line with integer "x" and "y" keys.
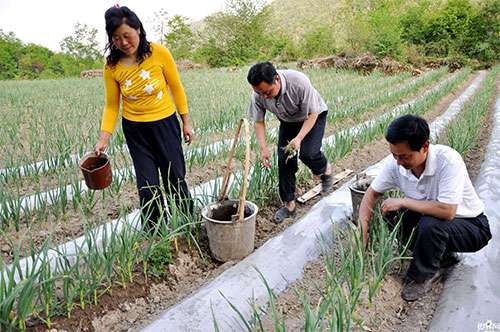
{"x": 267, "y": 92}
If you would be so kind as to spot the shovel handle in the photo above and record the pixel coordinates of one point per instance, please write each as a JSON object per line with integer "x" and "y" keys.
{"x": 225, "y": 182}
{"x": 246, "y": 169}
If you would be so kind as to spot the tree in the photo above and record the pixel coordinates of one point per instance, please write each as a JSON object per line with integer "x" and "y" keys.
{"x": 10, "y": 50}
{"x": 82, "y": 44}
{"x": 179, "y": 38}
{"x": 33, "y": 61}
{"x": 237, "y": 35}
{"x": 454, "y": 28}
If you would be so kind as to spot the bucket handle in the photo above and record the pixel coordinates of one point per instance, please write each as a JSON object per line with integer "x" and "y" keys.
{"x": 225, "y": 182}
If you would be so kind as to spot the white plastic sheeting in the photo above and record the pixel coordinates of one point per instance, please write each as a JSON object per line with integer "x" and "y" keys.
{"x": 40, "y": 166}
{"x": 35, "y": 201}
{"x": 455, "y": 107}
{"x": 392, "y": 113}
{"x": 471, "y": 297}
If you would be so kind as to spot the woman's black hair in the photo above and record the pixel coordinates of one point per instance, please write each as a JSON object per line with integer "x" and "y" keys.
{"x": 411, "y": 129}
{"x": 115, "y": 17}
{"x": 263, "y": 71}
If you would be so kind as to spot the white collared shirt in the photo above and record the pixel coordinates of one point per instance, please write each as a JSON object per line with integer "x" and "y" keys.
{"x": 445, "y": 179}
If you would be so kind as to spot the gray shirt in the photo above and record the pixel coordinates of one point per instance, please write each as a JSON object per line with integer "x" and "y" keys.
{"x": 296, "y": 100}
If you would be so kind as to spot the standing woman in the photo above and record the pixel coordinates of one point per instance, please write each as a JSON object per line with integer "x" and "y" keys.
{"x": 141, "y": 74}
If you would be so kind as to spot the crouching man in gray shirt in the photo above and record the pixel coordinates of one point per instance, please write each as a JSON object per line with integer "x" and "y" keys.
{"x": 440, "y": 203}
{"x": 302, "y": 115}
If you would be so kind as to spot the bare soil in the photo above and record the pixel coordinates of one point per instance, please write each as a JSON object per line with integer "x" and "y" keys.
{"x": 364, "y": 63}
{"x": 121, "y": 309}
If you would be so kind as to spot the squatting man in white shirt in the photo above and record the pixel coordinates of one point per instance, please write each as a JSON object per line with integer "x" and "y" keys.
{"x": 439, "y": 202}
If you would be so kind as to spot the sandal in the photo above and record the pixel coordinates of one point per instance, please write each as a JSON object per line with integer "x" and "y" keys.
{"x": 282, "y": 214}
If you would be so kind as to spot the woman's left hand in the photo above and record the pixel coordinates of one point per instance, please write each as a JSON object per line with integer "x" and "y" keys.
{"x": 187, "y": 131}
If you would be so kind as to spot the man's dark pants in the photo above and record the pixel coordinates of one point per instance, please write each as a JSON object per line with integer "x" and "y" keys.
{"x": 434, "y": 237}
{"x": 310, "y": 154}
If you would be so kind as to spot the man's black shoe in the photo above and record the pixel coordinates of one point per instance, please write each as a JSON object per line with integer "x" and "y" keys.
{"x": 413, "y": 290}
{"x": 282, "y": 214}
{"x": 449, "y": 259}
{"x": 326, "y": 183}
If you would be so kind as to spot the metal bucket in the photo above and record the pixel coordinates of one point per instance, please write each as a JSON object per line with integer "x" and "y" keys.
{"x": 96, "y": 170}
{"x": 356, "y": 197}
{"x": 228, "y": 239}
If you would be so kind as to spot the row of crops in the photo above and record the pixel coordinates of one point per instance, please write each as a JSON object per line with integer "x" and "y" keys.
{"x": 51, "y": 192}
{"x": 57, "y": 120}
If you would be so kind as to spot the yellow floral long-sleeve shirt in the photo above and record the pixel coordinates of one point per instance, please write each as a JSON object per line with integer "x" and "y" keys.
{"x": 143, "y": 90}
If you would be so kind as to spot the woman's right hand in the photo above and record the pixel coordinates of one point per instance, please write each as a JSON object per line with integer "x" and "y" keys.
{"x": 102, "y": 143}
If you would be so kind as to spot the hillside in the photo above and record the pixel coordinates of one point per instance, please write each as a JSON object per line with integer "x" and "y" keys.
{"x": 300, "y": 16}
{"x": 295, "y": 16}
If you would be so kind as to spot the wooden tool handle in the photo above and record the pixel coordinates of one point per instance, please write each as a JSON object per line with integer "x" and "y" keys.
{"x": 227, "y": 176}
{"x": 246, "y": 169}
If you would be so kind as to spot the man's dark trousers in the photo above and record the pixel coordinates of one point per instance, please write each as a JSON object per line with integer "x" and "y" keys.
{"x": 434, "y": 237}
{"x": 310, "y": 154}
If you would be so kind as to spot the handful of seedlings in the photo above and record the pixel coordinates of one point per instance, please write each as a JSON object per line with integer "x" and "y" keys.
{"x": 290, "y": 151}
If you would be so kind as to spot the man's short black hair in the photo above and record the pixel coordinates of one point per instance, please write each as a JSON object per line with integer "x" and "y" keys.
{"x": 411, "y": 129}
{"x": 262, "y": 72}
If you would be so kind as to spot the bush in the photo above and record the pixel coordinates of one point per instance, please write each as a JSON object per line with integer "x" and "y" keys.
{"x": 237, "y": 35}
{"x": 283, "y": 48}
{"x": 455, "y": 28}
{"x": 386, "y": 31}
{"x": 318, "y": 42}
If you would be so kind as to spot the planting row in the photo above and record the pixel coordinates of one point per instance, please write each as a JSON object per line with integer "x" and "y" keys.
{"x": 66, "y": 113}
